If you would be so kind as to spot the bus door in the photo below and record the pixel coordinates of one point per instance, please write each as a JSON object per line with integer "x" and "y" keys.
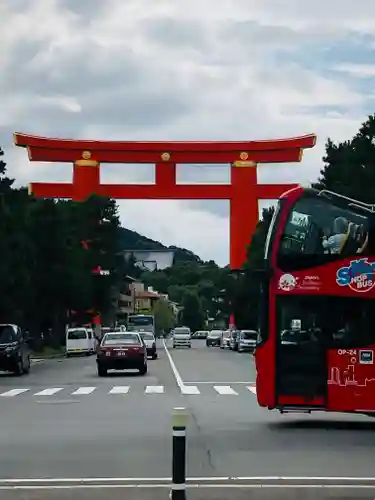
{"x": 301, "y": 360}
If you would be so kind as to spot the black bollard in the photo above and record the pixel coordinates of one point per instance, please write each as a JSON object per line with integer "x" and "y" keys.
{"x": 178, "y": 488}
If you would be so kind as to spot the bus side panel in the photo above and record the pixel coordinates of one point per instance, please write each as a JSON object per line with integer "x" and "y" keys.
{"x": 265, "y": 357}
{"x": 351, "y": 379}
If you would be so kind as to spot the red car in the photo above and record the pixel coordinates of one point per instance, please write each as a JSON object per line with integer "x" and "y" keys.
{"x": 122, "y": 351}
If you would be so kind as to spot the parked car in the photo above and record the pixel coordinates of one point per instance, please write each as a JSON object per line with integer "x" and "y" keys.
{"x": 213, "y": 338}
{"x": 80, "y": 340}
{"x": 181, "y": 337}
{"x": 225, "y": 339}
{"x": 150, "y": 342}
{"x": 14, "y": 349}
{"x": 122, "y": 351}
{"x": 248, "y": 340}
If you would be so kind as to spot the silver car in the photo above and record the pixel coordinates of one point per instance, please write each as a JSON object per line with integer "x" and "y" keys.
{"x": 247, "y": 341}
{"x": 181, "y": 337}
{"x": 225, "y": 339}
{"x": 150, "y": 342}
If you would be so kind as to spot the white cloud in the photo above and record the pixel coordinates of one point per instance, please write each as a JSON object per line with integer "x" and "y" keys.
{"x": 177, "y": 70}
{"x": 360, "y": 70}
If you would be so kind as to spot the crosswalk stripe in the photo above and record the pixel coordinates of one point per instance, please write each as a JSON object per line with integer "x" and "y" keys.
{"x": 222, "y": 390}
{"x": 190, "y": 389}
{"x": 83, "y": 390}
{"x": 225, "y": 390}
{"x": 49, "y": 392}
{"x": 154, "y": 389}
{"x": 13, "y": 392}
{"x": 119, "y": 389}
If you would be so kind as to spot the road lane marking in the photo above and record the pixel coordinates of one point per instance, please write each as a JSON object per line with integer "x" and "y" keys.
{"x": 190, "y": 389}
{"x": 83, "y": 391}
{"x": 119, "y": 389}
{"x": 49, "y": 392}
{"x": 225, "y": 390}
{"x": 176, "y": 373}
{"x": 191, "y": 486}
{"x": 196, "y": 479}
{"x": 186, "y": 390}
{"x": 220, "y": 383}
{"x": 13, "y": 392}
{"x": 154, "y": 389}
{"x": 228, "y": 483}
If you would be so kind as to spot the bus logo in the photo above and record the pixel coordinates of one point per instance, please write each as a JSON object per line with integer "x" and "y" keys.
{"x": 358, "y": 276}
{"x": 287, "y": 282}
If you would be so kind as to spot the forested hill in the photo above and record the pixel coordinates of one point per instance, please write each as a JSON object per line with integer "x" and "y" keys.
{"x": 131, "y": 240}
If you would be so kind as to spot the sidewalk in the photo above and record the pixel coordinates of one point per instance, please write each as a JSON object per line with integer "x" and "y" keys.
{"x": 47, "y": 354}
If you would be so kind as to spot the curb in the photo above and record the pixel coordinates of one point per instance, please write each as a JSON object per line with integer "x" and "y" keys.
{"x": 50, "y": 356}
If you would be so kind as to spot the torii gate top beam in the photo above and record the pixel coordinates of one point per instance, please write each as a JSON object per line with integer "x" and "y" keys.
{"x": 70, "y": 150}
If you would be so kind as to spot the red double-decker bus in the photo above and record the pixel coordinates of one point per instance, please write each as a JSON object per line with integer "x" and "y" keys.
{"x": 317, "y": 324}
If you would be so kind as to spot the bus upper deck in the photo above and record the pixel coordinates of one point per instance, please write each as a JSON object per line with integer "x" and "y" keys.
{"x": 313, "y": 227}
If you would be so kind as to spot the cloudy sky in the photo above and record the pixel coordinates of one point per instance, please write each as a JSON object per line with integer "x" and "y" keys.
{"x": 193, "y": 69}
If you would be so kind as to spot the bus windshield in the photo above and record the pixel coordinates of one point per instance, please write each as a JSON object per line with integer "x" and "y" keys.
{"x": 318, "y": 227}
{"x": 141, "y": 323}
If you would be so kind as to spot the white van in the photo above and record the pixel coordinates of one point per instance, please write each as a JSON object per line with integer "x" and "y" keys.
{"x": 181, "y": 337}
{"x": 80, "y": 340}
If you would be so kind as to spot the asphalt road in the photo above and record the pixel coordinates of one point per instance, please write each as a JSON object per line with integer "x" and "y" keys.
{"x": 68, "y": 423}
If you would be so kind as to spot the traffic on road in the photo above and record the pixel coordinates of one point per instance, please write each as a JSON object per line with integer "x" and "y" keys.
{"x": 63, "y": 417}
{"x": 280, "y": 404}
{"x": 103, "y": 410}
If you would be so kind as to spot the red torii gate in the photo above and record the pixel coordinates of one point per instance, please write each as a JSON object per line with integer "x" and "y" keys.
{"x": 243, "y": 191}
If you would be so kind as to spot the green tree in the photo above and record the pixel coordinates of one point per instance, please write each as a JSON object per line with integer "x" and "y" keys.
{"x": 98, "y": 225}
{"x": 349, "y": 166}
{"x": 164, "y": 316}
{"x": 52, "y": 268}
{"x": 192, "y": 314}
{"x": 158, "y": 279}
{"x": 15, "y": 250}
{"x": 45, "y": 271}
{"x": 246, "y": 296}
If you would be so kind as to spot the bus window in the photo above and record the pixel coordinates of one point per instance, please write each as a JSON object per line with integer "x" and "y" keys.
{"x": 333, "y": 322}
{"x": 318, "y": 228}
{"x": 141, "y": 322}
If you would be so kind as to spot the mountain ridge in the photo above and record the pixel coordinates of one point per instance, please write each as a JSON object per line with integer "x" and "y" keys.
{"x": 132, "y": 240}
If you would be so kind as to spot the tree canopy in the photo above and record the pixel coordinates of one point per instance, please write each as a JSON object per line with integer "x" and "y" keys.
{"x": 48, "y": 252}
{"x": 164, "y": 316}
{"x": 204, "y": 283}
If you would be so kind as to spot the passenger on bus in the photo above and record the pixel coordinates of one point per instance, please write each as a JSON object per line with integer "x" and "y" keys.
{"x": 335, "y": 242}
